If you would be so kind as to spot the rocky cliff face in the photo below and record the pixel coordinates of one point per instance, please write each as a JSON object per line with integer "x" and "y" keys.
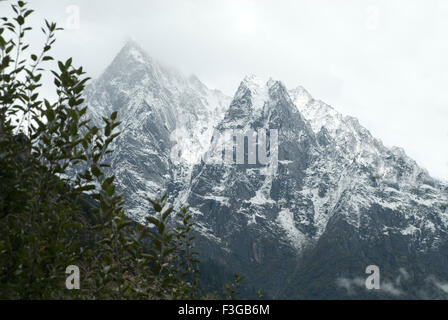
{"x": 303, "y": 222}
{"x": 160, "y": 109}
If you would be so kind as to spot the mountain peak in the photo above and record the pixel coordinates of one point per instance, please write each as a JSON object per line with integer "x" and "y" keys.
{"x": 133, "y": 52}
{"x": 131, "y": 42}
{"x": 300, "y": 96}
{"x": 256, "y": 88}
{"x": 253, "y": 80}
{"x": 256, "y": 83}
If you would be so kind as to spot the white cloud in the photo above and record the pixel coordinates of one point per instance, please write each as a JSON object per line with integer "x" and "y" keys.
{"x": 351, "y": 285}
{"x": 441, "y": 285}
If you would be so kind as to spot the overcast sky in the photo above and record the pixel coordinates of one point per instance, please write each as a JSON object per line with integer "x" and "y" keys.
{"x": 384, "y": 62}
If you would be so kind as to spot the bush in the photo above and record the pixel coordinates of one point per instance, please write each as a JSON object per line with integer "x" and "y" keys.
{"x": 58, "y": 206}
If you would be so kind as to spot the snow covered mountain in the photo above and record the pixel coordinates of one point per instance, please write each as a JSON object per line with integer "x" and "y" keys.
{"x": 337, "y": 201}
{"x": 159, "y": 109}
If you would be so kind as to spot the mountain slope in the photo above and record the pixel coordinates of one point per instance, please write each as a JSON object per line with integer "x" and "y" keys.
{"x": 303, "y": 220}
{"x": 160, "y": 109}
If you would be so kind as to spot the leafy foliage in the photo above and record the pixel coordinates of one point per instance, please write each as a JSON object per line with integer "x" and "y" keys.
{"x": 58, "y": 203}
{"x": 51, "y": 159}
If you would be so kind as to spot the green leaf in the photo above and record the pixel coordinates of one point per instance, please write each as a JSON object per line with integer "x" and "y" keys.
{"x": 124, "y": 224}
{"x": 95, "y": 171}
{"x": 20, "y": 20}
{"x": 157, "y": 207}
{"x": 68, "y": 63}
{"x": 153, "y": 220}
{"x": 167, "y": 213}
{"x": 2, "y": 43}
